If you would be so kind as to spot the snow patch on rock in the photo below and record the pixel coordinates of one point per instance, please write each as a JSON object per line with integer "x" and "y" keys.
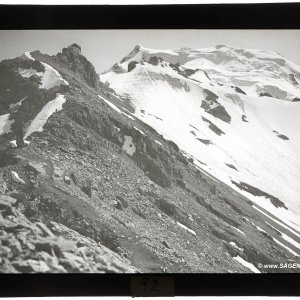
{"x": 15, "y": 177}
{"x": 114, "y": 107}
{"x": 158, "y": 143}
{"x": 286, "y": 247}
{"x": 29, "y": 72}
{"x": 186, "y": 228}
{"x": 240, "y": 231}
{"x": 5, "y": 124}
{"x": 139, "y": 130}
{"x": 51, "y": 78}
{"x": 281, "y": 223}
{"x": 40, "y": 120}
{"x": 234, "y": 245}
{"x": 13, "y": 143}
{"x": 111, "y": 105}
{"x": 13, "y": 105}
{"x": 128, "y": 145}
{"x": 246, "y": 264}
{"x": 28, "y": 55}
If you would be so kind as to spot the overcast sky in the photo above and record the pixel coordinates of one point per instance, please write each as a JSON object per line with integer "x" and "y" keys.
{"x": 106, "y": 47}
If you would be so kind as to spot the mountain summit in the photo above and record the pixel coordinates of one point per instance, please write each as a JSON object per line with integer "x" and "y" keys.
{"x": 171, "y": 161}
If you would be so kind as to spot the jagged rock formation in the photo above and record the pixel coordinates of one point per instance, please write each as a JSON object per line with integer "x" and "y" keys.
{"x": 28, "y": 247}
{"x": 72, "y": 58}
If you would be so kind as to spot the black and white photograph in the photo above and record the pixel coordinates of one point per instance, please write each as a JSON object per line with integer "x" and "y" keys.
{"x": 150, "y": 151}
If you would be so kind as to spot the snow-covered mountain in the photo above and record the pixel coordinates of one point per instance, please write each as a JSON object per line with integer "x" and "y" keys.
{"x": 234, "y": 111}
{"x": 174, "y": 161}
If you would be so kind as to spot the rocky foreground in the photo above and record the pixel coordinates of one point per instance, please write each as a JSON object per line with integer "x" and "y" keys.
{"x": 27, "y": 247}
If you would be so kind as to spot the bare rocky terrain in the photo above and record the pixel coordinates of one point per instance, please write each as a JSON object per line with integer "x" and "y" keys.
{"x": 76, "y": 198}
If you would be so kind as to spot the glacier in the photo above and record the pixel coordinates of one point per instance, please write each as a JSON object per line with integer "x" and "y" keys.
{"x": 232, "y": 110}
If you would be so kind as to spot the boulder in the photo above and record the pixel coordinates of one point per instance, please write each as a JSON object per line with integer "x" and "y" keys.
{"x": 7, "y": 201}
{"x": 67, "y": 180}
{"x": 36, "y": 167}
{"x": 122, "y": 200}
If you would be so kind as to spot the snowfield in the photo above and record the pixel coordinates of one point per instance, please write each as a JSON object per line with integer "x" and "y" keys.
{"x": 49, "y": 78}
{"x": 45, "y": 113}
{"x": 238, "y": 117}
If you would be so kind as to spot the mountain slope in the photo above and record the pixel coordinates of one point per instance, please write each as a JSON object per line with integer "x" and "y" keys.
{"x": 93, "y": 159}
{"x": 232, "y": 110}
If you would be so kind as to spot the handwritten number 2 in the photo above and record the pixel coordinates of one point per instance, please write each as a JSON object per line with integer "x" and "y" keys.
{"x": 154, "y": 285}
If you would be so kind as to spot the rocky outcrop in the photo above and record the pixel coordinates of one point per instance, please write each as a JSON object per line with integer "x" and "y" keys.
{"x": 281, "y": 136}
{"x": 27, "y": 247}
{"x": 257, "y": 192}
{"x": 71, "y": 57}
{"x": 211, "y": 105}
{"x": 153, "y": 60}
{"x": 239, "y": 90}
{"x": 132, "y": 65}
{"x": 153, "y": 169}
{"x": 213, "y": 127}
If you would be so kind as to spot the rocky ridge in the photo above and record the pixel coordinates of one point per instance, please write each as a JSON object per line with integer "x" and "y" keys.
{"x": 96, "y": 173}
{"x": 31, "y": 247}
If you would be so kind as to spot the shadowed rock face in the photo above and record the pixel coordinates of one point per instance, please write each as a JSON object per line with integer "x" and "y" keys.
{"x": 257, "y": 192}
{"x": 132, "y": 65}
{"x": 239, "y": 90}
{"x": 244, "y": 119}
{"x": 72, "y": 59}
{"x": 281, "y": 136}
{"x": 213, "y": 127}
{"x": 211, "y": 105}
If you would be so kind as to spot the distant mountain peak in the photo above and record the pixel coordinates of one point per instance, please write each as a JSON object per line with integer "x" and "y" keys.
{"x": 76, "y": 46}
